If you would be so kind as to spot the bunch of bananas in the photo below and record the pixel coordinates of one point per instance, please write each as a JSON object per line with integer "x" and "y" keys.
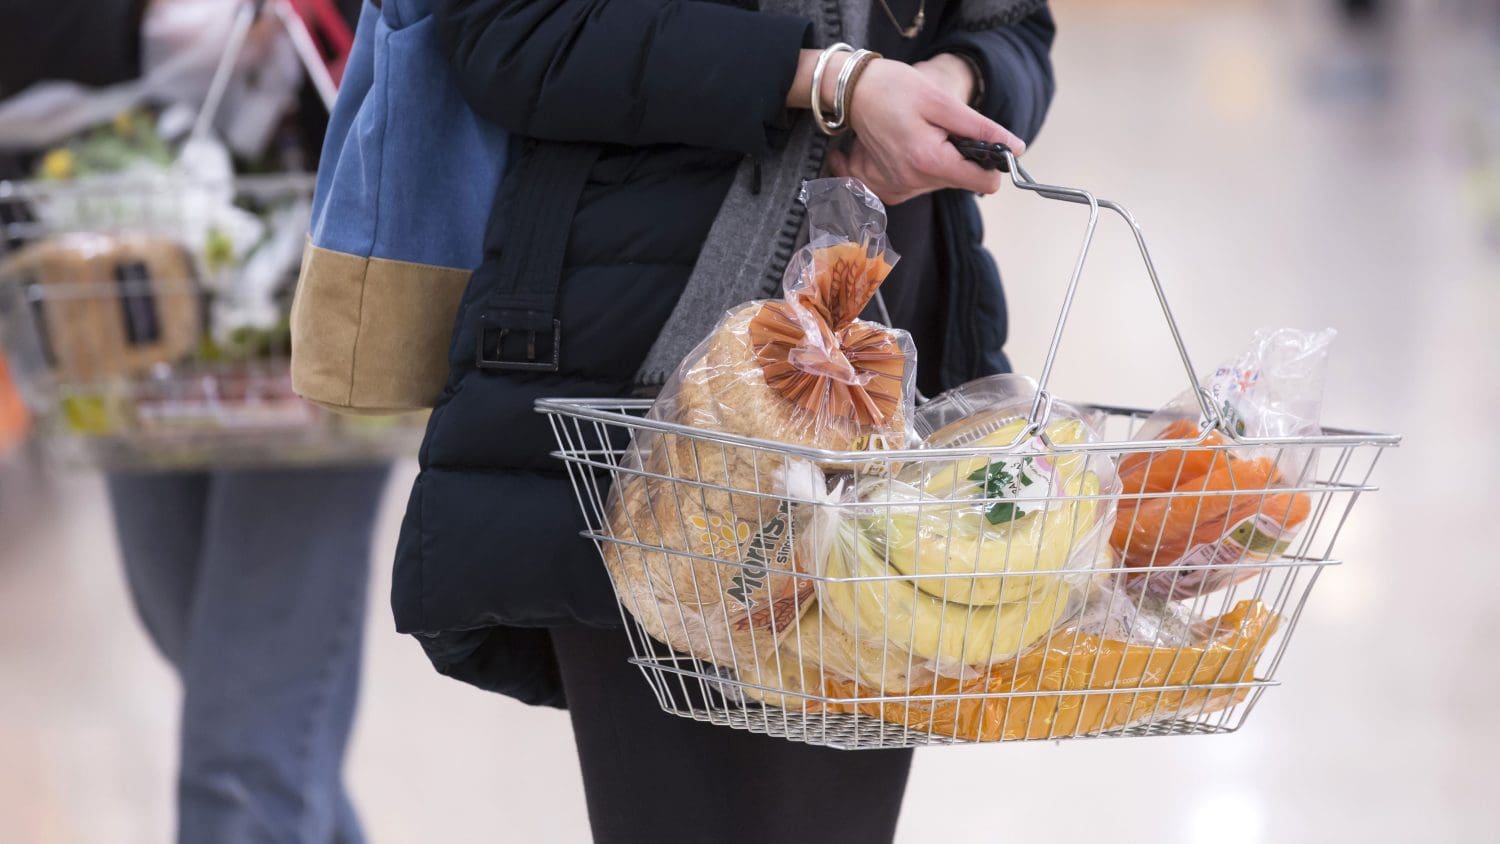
{"x": 958, "y": 564}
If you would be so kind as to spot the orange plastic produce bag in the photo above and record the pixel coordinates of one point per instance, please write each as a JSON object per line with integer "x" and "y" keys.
{"x": 1210, "y": 506}
{"x": 14, "y": 420}
{"x": 1073, "y": 662}
{"x": 1239, "y": 514}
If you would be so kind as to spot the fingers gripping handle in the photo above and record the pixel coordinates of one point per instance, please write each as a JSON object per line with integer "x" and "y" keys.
{"x": 987, "y": 155}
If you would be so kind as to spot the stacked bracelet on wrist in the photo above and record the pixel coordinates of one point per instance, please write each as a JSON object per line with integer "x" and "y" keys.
{"x": 844, "y": 89}
{"x": 849, "y": 75}
{"x": 824, "y": 58}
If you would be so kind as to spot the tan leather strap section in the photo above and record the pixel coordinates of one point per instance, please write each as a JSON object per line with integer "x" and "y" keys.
{"x": 371, "y": 335}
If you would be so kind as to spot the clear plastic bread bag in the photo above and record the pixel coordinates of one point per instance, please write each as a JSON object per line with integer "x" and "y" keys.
{"x": 710, "y": 535}
{"x": 1204, "y": 510}
{"x": 967, "y": 561}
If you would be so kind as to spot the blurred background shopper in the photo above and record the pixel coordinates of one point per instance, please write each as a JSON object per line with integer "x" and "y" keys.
{"x": 251, "y": 583}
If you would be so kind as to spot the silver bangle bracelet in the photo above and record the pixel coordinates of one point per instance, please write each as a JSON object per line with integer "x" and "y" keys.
{"x": 841, "y": 89}
{"x": 823, "y": 124}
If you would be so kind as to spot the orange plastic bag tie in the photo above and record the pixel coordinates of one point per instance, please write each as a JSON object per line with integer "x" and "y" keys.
{"x": 815, "y": 353}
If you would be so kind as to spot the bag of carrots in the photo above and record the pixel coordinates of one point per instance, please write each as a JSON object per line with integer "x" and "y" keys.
{"x": 1194, "y": 515}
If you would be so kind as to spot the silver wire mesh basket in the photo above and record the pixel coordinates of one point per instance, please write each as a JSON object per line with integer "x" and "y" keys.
{"x": 801, "y": 597}
{"x": 145, "y": 320}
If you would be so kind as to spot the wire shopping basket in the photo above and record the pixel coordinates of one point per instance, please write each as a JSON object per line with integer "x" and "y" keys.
{"x": 145, "y": 321}
{"x": 145, "y": 311}
{"x": 805, "y": 595}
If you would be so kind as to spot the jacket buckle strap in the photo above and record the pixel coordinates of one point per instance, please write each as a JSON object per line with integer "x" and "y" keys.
{"x": 525, "y": 341}
{"x": 518, "y": 324}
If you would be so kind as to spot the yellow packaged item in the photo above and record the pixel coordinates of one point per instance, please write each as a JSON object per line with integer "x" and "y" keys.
{"x": 1074, "y": 661}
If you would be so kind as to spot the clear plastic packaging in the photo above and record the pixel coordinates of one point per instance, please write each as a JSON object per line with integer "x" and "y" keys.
{"x": 1105, "y": 672}
{"x": 818, "y": 650}
{"x": 1213, "y": 504}
{"x": 806, "y": 369}
{"x": 708, "y": 528}
{"x": 968, "y": 412}
{"x": 970, "y": 561}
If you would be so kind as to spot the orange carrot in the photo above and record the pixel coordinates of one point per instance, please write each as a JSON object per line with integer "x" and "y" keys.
{"x": 1158, "y": 531}
{"x": 1170, "y": 469}
{"x": 1181, "y": 429}
{"x": 1157, "y": 472}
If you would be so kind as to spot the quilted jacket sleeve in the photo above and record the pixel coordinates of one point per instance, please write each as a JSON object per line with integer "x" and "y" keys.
{"x": 1015, "y": 62}
{"x": 631, "y": 72}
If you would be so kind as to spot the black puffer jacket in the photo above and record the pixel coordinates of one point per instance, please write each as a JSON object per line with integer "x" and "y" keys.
{"x": 662, "y": 99}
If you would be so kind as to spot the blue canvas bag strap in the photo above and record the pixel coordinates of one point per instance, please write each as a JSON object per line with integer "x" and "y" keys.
{"x": 518, "y": 325}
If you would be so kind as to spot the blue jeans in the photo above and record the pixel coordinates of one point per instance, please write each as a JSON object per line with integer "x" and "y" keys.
{"x": 253, "y": 586}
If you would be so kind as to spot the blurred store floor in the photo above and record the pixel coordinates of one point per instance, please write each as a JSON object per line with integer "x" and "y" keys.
{"x": 1285, "y": 175}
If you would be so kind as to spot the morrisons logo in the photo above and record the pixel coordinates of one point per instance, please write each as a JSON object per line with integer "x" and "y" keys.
{"x": 768, "y": 549}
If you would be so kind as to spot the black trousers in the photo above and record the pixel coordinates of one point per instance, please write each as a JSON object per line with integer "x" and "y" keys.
{"x": 653, "y": 777}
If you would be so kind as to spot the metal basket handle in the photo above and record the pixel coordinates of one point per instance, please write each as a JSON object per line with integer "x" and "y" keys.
{"x": 998, "y": 157}
{"x": 245, "y": 17}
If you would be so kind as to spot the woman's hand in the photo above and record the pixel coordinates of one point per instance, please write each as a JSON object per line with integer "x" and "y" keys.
{"x": 952, "y": 74}
{"x": 902, "y": 117}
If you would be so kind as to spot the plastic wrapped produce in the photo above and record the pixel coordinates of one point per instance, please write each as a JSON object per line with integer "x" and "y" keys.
{"x": 1212, "y": 503}
{"x": 950, "y": 633}
{"x": 818, "y": 650}
{"x": 1064, "y": 686}
{"x": 1014, "y": 514}
{"x": 709, "y": 532}
{"x": 991, "y": 547}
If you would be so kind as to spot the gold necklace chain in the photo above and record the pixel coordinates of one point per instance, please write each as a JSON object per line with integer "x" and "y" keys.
{"x": 907, "y": 32}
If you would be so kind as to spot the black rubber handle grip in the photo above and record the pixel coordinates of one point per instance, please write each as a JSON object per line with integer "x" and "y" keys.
{"x": 987, "y": 155}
